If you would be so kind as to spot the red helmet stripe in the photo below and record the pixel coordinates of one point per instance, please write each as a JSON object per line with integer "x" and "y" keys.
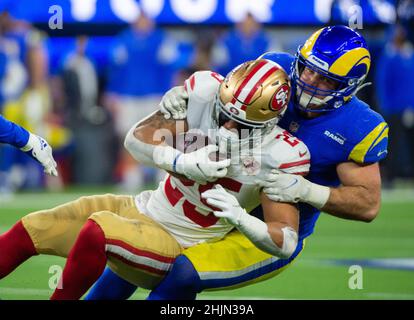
{"x": 254, "y": 80}
{"x": 192, "y": 82}
{"x": 247, "y": 79}
{"x": 258, "y": 84}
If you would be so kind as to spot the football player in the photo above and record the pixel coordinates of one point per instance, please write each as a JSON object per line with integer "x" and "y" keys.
{"x": 30, "y": 143}
{"x": 200, "y": 201}
{"x": 346, "y": 139}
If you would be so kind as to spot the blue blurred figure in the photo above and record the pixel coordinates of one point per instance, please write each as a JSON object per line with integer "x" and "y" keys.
{"x": 135, "y": 83}
{"x": 246, "y": 41}
{"x": 395, "y": 95}
{"x": 24, "y": 95}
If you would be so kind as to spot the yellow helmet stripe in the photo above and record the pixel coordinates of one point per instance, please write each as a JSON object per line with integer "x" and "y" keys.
{"x": 308, "y": 46}
{"x": 370, "y": 141}
{"x": 347, "y": 61}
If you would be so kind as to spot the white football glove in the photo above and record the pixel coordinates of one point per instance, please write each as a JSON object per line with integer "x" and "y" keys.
{"x": 174, "y": 103}
{"x": 285, "y": 187}
{"x": 228, "y": 204}
{"x": 252, "y": 227}
{"x": 39, "y": 149}
{"x": 198, "y": 167}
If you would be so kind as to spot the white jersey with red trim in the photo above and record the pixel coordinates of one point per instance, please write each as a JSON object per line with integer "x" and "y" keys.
{"x": 177, "y": 204}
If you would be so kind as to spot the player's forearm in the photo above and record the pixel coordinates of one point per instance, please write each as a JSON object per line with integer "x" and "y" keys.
{"x": 149, "y": 141}
{"x": 157, "y": 130}
{"x": 273, "y": 238}
{"x": 353, "y": 202}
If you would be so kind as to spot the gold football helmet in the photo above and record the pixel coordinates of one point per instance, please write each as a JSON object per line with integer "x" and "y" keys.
{"x": 254, "y": 94}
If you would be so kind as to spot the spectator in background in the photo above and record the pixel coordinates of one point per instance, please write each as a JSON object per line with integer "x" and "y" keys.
{"x": 405, "y": 13}
{"x": 89, "y": 122}
{"x": 135, "y": 85}
{"x": 24, "y": 96}
{"x": 246, "y": 41}
{"x": 395, "y": 84}
{"x": 193, "y": 56}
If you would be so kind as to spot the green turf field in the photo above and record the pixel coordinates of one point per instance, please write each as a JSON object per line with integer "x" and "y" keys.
{"x": 315, "y": 275}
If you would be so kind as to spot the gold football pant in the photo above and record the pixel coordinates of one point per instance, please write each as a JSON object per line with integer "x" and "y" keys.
{"x": 138, "y": 249}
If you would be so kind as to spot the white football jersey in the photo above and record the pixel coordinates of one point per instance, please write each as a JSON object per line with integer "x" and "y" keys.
{"x": 177, "y": 205}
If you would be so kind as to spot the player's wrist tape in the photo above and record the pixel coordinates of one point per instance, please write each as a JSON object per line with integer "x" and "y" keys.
{"x": 317, "y": 195}
{"x": 174, "y": 167}
{"x": 257, "y": 232}
{"x": 29, "y": 144}
{"x": 166, "y": 157}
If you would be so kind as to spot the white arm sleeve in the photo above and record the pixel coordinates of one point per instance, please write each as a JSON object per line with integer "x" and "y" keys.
{"x": 257, "y": 232}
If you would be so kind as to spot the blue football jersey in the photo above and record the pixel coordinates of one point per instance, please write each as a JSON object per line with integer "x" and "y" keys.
{"x": 353, "y": 132}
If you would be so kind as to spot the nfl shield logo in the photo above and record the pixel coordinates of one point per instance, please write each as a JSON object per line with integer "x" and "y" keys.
{"x": 294, "y": 126}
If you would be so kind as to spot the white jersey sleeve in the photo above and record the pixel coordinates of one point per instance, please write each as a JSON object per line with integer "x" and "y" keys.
{"x": 201, "y": 87}
{"x": 291, "y": 155}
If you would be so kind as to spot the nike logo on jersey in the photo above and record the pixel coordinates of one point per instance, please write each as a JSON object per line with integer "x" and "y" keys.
{"x": 381, "y": 152}
{"x": 302, "y": 154}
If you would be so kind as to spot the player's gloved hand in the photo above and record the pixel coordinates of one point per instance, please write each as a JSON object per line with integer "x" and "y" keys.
{"x": 285, "y": 187}
{"x": 174, "y": 103}
{"x": 40, "y": 150}
{"x": 228, "y": 204}
{"x": 198, "y": 167}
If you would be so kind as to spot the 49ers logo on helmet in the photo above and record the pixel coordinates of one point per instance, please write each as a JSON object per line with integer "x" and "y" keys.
{"x": 280, "y": 98}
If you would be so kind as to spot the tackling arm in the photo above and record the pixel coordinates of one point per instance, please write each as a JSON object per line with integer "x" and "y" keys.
{"x": 359, "y": 197}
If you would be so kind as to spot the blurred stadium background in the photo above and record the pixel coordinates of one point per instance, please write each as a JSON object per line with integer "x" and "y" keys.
{"x": 81, "y": 72}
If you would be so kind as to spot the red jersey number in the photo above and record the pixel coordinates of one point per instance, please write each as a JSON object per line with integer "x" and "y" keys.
{"x": 189, "y": 209}
{"x": 291, "y": 140}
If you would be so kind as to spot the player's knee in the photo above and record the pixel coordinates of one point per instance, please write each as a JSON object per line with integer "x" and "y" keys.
{"x": 111, "y": 287}
{"x": 102, "y": 218}
{"x": 184, "y": 271}
{"x": 181, "y": 283}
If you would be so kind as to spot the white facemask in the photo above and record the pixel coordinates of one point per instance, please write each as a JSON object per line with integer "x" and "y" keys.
{"x": 227, "y": 140}
{"x": 305, "y": 99}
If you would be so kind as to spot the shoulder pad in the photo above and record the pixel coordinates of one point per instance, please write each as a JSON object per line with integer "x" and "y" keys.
{"x": 203, "y": 85}
{"x": 370, "y": 136}
{"x": 289, "y": 154}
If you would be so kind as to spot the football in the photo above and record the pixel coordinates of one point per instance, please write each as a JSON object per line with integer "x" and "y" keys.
{"x": 192, "y": 141}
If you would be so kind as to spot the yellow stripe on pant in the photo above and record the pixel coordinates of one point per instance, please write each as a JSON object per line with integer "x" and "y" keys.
{"x": 234, "y": 262}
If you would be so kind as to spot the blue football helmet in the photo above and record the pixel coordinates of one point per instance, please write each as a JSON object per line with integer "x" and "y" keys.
{"x": 338, "y": 53}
